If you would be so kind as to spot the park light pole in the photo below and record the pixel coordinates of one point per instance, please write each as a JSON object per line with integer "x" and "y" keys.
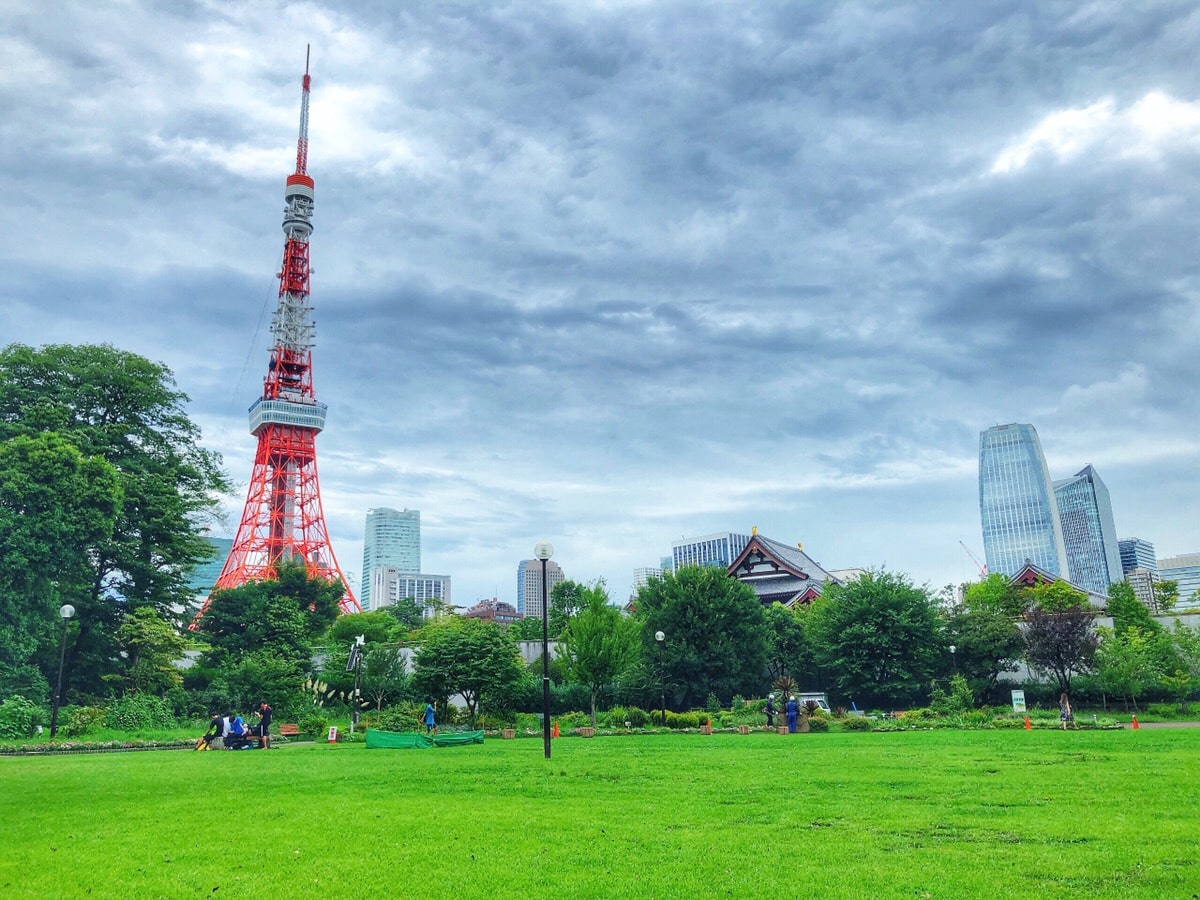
{"x": 953, "y": 661}
{"x": 543, "y": 551}
{"x": 65, "y": 611}
{"x": 659, "y": 637}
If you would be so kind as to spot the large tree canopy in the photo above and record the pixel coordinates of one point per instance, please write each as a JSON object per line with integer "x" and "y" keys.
{"x": 283, "y": 617}
{"x": 125, "y": 410}
{"x": 470, "y": 657}
{"x": 55, "y": 504}
{"x": 878, "y": 638}
{"x": 714, "y": 634}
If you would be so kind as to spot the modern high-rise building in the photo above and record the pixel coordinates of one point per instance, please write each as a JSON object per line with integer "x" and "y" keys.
{"x": 389, "y": 585}
{"x": 1137, "y": 554}
{"x": 1184, "y": 569}
{"x": 1017, "y": 507}
{"x": 529, "y": 585}
{"x": 708, "y": 550}
{"x": 392, "y": 538}
{"x": 203, "y": 578}
{"x": 1089, "y": 533}
{"x": 1142, "y": 581}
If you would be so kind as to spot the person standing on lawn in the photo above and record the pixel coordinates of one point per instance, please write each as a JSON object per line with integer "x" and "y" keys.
{"x": 1064, "y": 711}
{"x": 430, "y": 724}
{"x": 769, "y": 709}
{"x": 264, "y": 725}
{"x": 793, "y": 712}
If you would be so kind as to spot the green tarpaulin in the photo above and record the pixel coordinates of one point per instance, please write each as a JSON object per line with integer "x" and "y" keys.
{"x": 408, "y": 739}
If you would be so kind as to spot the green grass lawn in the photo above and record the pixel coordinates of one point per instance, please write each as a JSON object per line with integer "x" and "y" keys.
{"x": 918, "y": 814}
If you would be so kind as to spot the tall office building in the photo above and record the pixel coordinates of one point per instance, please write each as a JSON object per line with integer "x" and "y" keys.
{"x": 1017, "y": 507}
{"x": 393, "y": 538}
{"x": 1137, "y": 554}
{"x": 390, "y": 584}
{"x": 719, "y": 549}
{"x": 1089, "y": 534}
{"x": 203, "y": 577}
{"x": 529, "y": 585}
{"x": 1184, "y": 569}
{"x": 1142, "y": 581}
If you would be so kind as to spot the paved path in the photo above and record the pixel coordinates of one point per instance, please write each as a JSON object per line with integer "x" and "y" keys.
{"x": 1166, "y": 725}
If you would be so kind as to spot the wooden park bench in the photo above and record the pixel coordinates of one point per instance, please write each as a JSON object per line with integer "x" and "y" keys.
{"x": 289, "y": 730}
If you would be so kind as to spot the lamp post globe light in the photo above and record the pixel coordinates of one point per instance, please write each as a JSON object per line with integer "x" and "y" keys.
{"x": 953, "y": 660}
{"x": 659, "y": 637}
{"x": 543, "y": 551}
{"x": 66, "y": 611}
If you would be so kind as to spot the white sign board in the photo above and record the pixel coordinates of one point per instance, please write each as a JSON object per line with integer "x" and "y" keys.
{"x": 333, "y": 734}
{"x": 1018, "y": 700}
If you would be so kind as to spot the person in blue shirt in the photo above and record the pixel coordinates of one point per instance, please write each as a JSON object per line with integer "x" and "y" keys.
{"x": 430, "y": 725}
{"x": 793, "y": 711}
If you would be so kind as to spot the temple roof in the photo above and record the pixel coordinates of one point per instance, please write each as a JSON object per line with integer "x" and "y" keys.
{"x": 779, "y": 572}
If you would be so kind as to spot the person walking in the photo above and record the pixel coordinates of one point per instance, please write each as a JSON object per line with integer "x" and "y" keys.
{"x": 769, "y": 709}
{"x": 793, "y": 713}
{"x": 1064, "y": 711}
{"x": 430, "y": 724}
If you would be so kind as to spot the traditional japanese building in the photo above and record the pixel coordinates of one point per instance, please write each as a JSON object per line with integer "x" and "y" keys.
{"x": 780, "y": 573}
{"x": 1031, "y": 574}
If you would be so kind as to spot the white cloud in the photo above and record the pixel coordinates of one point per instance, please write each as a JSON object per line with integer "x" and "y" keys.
{"x": 1155, "y": 124}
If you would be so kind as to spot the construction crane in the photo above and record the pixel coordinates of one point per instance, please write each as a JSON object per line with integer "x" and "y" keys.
{"x": 975, "y": 559}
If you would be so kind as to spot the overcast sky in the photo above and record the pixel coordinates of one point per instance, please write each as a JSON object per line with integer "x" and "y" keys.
{"x": 612, "y": 274}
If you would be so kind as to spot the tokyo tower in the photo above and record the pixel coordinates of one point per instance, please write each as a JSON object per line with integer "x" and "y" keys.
{"x": 283, "y": 519}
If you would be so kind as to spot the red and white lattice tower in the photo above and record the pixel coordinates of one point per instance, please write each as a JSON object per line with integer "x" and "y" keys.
{"x": 283, "y": 518}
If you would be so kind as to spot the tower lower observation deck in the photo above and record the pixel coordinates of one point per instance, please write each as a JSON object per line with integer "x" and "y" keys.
{"x": 287, "y": 412}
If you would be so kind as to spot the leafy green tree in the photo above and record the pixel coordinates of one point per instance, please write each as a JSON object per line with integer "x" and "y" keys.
{"x": 282, "y": 617}
{"x": 715, "y": 635}
{"x": 1061, "y": 642}
{"x": 1126, "y": 610}
{"x": 1127, "y": 662}
{"x": 878, "y": 637}
{"x": 987, "y": 643}
{"x": 994, "y": 593}
{"x": 151, "y": 647}
{"x": 599, "y": 643}
{"x": 1054, "y": 596}
{"x": 384, "y": 679}
{"x": 788, "y": 649}
{"x": 566, "y": 599}
{"x": 375, "y": 627}
{"x": 407, "y": 612}
{"x": 126, "y": 410}
{"x": 55, "y": 505}
{"x": 1165, "y": 595}
{"x": 527, "y": 629}
{"x": 469, "y": 657}
{"x": 1128, "y": 613}
{"x": 1187, "y": 645}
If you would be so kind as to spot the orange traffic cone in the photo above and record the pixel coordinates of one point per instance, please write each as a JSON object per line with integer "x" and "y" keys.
{"x": 1027, "y": 725}
{"x": 1136, "y": 726}
{"x": 555, "y": 732}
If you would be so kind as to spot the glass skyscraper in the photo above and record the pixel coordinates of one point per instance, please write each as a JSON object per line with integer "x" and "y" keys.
{"x": 1089, "y": 534}
{"x": 1016, "y": 503}
{"x": 393, "y": 538}
{"x": 1137, "y": 554}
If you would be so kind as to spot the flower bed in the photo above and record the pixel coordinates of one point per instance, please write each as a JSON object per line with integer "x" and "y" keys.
{"x": 47, "y": 749}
